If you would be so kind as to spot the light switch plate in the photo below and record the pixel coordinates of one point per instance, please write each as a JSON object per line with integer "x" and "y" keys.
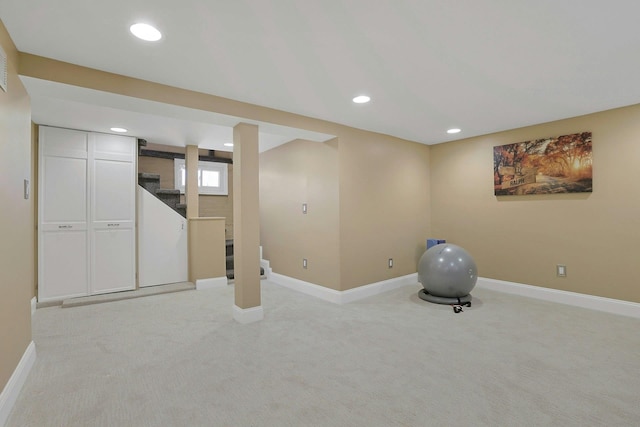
{"x": 27, "y": 189}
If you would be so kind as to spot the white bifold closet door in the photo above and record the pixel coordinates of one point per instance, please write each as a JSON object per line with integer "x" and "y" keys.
{"x": 63, "y": 214}
{"x": 112, "y": 213}
{"x": 86, "y": 211}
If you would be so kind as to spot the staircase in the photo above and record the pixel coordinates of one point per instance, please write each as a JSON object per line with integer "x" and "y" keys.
{"x": 151, "y": 182}
{"x": 229, "y": 253}
{"x": 171, "y": 197}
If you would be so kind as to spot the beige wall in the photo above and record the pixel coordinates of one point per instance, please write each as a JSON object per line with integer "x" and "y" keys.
{"x": 368, "y": 201}
{"x": 387, "y": 209}
{"x": 206, "y": 248}
{"x": 384, "y": 207}
{"x": 17, "y": 247}
{"x": 162, "y": 167}
{"x": 292, "y": 174}
{"x": 369, "y": 231}
{"x": 209, "y": 206}
{"x": 220, "y": 206}
{"x": 522, "y": 238}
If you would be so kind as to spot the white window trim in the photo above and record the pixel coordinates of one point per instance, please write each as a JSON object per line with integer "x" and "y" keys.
{"x": 221, "y": 190}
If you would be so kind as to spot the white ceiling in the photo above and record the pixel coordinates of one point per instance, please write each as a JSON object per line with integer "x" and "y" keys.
{"x": 428, "y": 65}
{"x": 74, "y": 107}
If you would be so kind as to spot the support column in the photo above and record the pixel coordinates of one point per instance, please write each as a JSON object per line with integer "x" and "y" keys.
{"x": 246, "y": 224}
{"x": 191, "y": 187}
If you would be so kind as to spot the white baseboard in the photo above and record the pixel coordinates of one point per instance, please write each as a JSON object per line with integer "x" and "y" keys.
{"x": 376, "y": 288}
{"x": 343, "y": 297}
{"x": 11, "y": 391}
{"x": 34, "y": 301}
{"x": 609, "y": 305}
{"x": 213, "y": 283}
{"x": 308, "y": 288}
{"x": 248, "y": 315}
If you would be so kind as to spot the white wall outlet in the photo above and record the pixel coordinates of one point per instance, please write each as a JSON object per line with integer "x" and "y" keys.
{"x": 304, "y": 263}
{"x": 390, "y": 262}
{"x": 561, "y": 270}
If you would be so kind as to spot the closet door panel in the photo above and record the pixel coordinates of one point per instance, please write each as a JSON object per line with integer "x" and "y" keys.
{"x": 113, "y": 266}
{"x": 63, "y": 270}
{"x": 63, "y": 265}
{"x": 63, "y": 142}
{"x": 113, "y": 147}
{"x": 86, "y": 219}
{"x": 64, "y": 190}
{"x": 113, "y": 191}
{"x": 113, "y": 213}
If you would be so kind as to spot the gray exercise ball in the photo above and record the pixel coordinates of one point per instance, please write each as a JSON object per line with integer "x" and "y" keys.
{"x": 448, "y": 271}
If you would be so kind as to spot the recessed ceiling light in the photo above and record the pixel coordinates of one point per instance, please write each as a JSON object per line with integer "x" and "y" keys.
{"x": 454, "y": 130}
{"x": 145, "y": 32}
{"x": 228, "y": 144}
{"x": 120, "y": 130}
{"x": 361, "y": 99}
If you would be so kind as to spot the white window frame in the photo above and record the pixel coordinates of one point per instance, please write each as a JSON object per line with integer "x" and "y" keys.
{"x": 221, "y": 168}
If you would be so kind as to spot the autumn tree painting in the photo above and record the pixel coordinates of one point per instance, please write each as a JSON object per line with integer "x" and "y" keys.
{"x": 544, "y": 166}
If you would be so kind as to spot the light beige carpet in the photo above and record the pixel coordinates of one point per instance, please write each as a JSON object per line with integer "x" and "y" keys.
{"x": 391, "y": 360}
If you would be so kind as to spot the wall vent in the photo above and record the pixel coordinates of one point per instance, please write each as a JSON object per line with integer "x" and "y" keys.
{"x": 3, "y": 70}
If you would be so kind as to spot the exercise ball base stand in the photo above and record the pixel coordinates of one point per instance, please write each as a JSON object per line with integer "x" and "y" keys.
{"x": 456, "y": 303}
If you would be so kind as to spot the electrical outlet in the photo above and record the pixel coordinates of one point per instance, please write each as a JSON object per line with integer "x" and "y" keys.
{"x": 304, "y": 263}
{"x": 304, "y": 208}
{"x": 561, "y": 270}
{"x": 390, "y": 262}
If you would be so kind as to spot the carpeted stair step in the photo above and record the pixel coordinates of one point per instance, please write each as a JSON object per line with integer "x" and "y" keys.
{"x": 229, "y": 260}
{"x": 169, "y": 196}
{"x": 182, "y": 209}
{"x": 149, "y": 181}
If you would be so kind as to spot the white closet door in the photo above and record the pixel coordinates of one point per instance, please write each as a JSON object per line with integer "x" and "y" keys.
{"x": 62, "y": 213}
{"x": 112, "y": 213}
{"x": 63, "y": 268}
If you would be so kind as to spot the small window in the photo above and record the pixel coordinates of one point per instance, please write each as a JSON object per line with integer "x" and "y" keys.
{"x": 212, "y": 177}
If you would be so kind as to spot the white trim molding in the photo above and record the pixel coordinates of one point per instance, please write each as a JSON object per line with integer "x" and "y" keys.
{"x": 11, "y": 391}
{"x": 609, "y": 305}
{"x": 213, "y": 283}
{"x": 264, "y": 263}
{"x": 344, "y": 297}
{"x": 308, "y": 288}
{"x": 248, "y": 315}
{"x": 267, "y": 268}
{"x": 376, "y": 288}
{"x": 34, "y": 302}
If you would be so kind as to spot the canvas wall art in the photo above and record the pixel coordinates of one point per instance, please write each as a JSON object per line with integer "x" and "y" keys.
{"x": 561, "y": 164}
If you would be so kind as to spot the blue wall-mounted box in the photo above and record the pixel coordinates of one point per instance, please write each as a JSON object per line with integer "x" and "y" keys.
{"x": 433, "y": 242}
